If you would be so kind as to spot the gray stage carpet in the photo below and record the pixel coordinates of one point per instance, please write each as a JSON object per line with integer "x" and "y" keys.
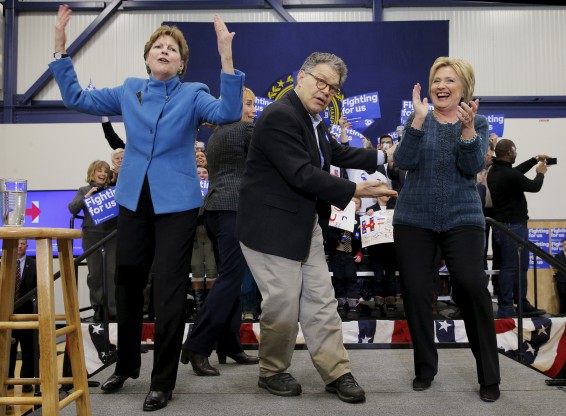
{"x": 386, "y": 376}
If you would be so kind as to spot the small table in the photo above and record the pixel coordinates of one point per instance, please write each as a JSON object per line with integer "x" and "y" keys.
{"x": 44, "y": 321}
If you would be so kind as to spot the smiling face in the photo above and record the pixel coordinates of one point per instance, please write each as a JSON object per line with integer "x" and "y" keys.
{"x": 446, "y": 89}
{"x": 201, "y": 158}
{"x": 202, "y": 173}
{"x": 164, "y": 58}
{"x": 117, "y": 159}
{"x": 249, "y": 110}
{"x": 314, "y": 99}
{"x": 100, "y": 176}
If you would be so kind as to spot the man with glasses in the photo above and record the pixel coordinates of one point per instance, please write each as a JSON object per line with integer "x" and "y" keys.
{"x": 286, "y": 186}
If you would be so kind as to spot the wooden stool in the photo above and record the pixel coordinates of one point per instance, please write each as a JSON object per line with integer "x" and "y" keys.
{"x": 44, "y": 321}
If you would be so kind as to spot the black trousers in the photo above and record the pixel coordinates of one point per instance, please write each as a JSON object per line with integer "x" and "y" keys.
{"x": 166, "y": 240}
{"x": 462, "y": 249}
{"x": 218, "y": 322}
{"x": 24, "y": 337}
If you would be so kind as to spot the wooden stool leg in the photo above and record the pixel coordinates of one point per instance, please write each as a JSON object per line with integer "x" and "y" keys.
{"x": 75, "y": 341}
{"x": 46, "y": 317}
{"x": 7, "y": 289}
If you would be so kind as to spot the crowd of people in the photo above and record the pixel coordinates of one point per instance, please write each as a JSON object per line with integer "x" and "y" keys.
{"x": 264, "y": 216}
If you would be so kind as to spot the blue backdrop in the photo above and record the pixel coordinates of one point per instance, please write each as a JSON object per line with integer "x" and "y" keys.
{"x": 387, "y": 57}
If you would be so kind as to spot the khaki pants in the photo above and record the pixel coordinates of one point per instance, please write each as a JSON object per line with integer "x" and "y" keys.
{"x": 298, "y": 291}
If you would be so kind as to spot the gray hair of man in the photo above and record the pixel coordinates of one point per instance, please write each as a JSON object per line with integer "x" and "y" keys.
{"x": 336, "y": 63}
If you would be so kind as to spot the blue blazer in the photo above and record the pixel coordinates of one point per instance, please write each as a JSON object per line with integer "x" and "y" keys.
{"x": 161, "y": 120}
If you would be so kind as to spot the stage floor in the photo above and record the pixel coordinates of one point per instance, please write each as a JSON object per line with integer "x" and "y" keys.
{"x": 385, "y": 374}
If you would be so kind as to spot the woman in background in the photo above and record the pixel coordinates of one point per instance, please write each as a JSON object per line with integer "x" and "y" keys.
{"x": 98, "y": 178}
{"x": 218, "y": 322}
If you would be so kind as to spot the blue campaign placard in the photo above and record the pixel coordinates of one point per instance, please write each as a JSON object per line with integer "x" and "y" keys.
{"x": 260, "y": 104}
{"x": 49, "y": 209}
{"x": 102, "y": 206}
{"x": 362, "y": 110}
{"x": 496, "y": 123}
{"x": 557, "y": 235}
{"x": 407, "y": 110}
{"x": 540, "y": 237}
{"x": 203, "y": 187}
{"x": 355, "y": 139}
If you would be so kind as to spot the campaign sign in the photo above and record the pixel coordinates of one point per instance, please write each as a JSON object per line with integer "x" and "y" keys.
{"x": 496, "y": 123}
{"x": 102, "y": 206}
{"x": 540, "y": 237}
{"x": 361, "y": 110}
{"x": 260, "y": 104}
{"x": 203, "y": 187}
{"x": 355, "y": 139}
{"x": 407, "y": 110}
{"x": 343, "y": 219}
{"x": 378, "y": 228}
{"x": 556, "y": 237}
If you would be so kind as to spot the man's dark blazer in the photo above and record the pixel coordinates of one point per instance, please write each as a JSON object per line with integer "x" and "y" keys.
{"x": 226, "y": 156}
{"x": 283, "y": 180}
{"x": 29, "y": 282}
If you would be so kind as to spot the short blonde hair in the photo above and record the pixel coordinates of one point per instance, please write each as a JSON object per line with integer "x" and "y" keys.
{"x": 462, "y": 68}
{"x": 94, "y": 166}
{"x": 248, "y": 93}
{"x": 176, "y": 34}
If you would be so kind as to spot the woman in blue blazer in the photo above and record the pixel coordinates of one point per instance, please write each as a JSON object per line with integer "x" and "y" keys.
{"x": 158, "y": 190}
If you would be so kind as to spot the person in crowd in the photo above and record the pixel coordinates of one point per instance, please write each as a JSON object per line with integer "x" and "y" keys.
{"x": 202, "y": 172}
{"x": 98, "y": 179}
{"x": 344, "y": 250}
{"x": 249, "y": 297}
{"x": 203, "y": 266}
{"x": 114, "y": 141}
{"x": 561, "y": 280}
{"x": 286, "y": 178}
{"x": 384, "y": 264}
{"x": 117, "y": 145}
{"x": 26, "y": 280}
{"x": 201, "y": 158}
{"x": 218, "y": 322}
{"x": 200, "y": 146}
{"x": 158, "y": 192}
{"x": 507, "y": 186}
{"x": 440, "y": 209}
{"x": 117, "y": 156}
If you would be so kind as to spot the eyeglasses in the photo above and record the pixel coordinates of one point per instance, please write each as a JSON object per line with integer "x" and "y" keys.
{"x": 322, "y": 84}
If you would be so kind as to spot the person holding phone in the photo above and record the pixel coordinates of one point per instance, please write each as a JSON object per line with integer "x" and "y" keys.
{"x": 439, "y": 211}
{"x": 507, "y": 185}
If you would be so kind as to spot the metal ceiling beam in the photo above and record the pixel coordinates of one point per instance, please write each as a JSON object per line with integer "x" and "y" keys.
{"x": 89, "y": 32}
{"x": 10, "y": 61}
{"x": 278, "y": 8}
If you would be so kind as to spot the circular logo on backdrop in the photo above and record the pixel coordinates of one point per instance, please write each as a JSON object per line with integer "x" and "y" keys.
{"x": 287, "y": 82}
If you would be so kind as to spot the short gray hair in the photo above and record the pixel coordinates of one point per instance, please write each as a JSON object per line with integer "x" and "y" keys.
{"x": 116, "y": 151}
{"x": 335, "y": 62}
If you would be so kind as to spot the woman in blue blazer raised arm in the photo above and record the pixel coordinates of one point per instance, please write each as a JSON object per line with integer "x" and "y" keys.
{"x": 158, "y": 190}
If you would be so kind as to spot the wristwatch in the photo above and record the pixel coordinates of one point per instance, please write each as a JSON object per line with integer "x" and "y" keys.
{"x": 59, "y": 55}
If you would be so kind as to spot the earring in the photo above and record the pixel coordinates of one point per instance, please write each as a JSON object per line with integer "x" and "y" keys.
{"x": 147, "y": 68}
{"x": 180, "y": 72}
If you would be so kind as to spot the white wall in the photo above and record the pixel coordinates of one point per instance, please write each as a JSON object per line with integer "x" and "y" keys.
{"x": 53, "y": 156}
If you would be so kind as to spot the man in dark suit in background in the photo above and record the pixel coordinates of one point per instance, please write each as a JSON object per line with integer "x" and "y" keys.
{"x": 286, "y": 186}
{"x": 25, "y": 281}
